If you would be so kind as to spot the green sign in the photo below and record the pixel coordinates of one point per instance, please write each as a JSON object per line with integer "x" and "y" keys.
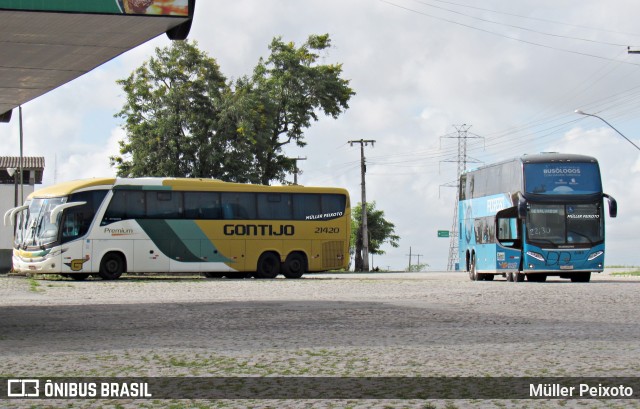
{"x": 443, "y": 233}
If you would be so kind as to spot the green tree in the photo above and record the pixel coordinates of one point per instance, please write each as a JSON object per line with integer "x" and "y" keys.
{"x": 379, "y": 229}
{"x": 171, "y": 115}
{"x": 182, "y": 117}
{"x": 284, "y": 95}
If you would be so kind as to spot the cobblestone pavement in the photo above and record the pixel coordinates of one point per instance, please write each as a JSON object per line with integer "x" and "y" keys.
{"x": 325, "y": 325}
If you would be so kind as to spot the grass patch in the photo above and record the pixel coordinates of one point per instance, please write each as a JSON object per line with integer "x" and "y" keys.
{"x": 635, "y": 273}
{"x": 34, "y": 285}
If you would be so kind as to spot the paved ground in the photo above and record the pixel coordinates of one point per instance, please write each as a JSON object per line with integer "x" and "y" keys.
{"x": 348, "y": 325}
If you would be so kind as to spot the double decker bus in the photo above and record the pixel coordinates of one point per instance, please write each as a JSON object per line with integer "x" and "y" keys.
{"x": 532, "y": 217}
{"x": 108, "y": 227}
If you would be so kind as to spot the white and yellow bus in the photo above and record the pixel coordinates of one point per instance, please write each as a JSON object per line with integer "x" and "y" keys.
{"x": 108, "y": 227}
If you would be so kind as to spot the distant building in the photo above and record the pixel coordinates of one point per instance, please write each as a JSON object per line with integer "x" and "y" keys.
{"x": 32, "y": 170}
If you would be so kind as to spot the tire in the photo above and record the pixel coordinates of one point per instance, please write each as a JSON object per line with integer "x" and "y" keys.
{"x": 473, "y": 275}
{"x": 213, "y": 274}
{"x": 268, "y": 266}
{"x": 509, "y": 277}
{"x": 78, "y": 277}
{"x": 518, "y": 277}
{"x": 112, "y": 266}
{"x": 295, "y": 265}
{"x": 581, "y": 278}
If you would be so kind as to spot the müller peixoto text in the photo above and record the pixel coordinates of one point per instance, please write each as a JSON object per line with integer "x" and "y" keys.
{"x": 583, "y": 390}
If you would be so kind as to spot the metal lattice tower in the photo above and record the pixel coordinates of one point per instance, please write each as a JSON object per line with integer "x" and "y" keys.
{"x": 462, "y": 135}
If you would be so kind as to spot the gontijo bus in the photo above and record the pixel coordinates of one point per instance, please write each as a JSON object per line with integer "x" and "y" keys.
{"x": 533, "y": 216}
{"x": 108, "y": 227}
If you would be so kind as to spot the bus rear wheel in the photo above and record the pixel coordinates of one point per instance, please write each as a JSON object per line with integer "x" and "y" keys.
{"x": 112, "y": 266}
{"x": 294, "y": 266}
{"x": 268, "y": 266}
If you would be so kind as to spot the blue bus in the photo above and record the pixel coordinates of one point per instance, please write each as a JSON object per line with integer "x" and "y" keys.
{"x": 532, "y": 217}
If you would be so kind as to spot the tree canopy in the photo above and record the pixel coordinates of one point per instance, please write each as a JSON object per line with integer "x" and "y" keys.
{"x": 182, "y": 117}
{"x": 379, "y": 229}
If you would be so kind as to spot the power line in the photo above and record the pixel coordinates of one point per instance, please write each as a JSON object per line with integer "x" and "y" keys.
{"x": 521, "y": 28}
{"x": 507, "y": 36}
{"x": 538, "y": 19}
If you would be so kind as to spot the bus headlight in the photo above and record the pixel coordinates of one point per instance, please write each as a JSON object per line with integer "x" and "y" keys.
{"x": 595, "y": 255}
{"x": 535, "y": 255}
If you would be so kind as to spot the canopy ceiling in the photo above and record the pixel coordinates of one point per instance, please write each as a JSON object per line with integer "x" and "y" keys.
{"x": 40, "y": 51}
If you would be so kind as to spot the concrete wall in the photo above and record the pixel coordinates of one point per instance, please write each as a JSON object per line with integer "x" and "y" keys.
{"x": 7, "y": 197}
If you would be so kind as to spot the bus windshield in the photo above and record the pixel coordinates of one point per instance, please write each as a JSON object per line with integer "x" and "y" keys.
{"x": 38, "y": 229}
{"x": 561, "y": 224}
{"x": 562, "y": 178}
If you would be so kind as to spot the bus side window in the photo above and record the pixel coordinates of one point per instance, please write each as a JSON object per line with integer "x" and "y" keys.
{"x": 508, "y": 232}
{"x": 202, "y": 205}
{"x": 274, "y": 206}
{"x": 164, "y": 205}
{"x": 239, "y": 206}
{"x": 306, "y": 205}
{"x": 333, "y": 205}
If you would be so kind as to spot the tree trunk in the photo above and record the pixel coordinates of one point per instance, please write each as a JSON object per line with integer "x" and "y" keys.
{"x": 358, "y": 262}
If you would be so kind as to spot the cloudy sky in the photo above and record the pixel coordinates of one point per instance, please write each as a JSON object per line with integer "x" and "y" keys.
{"x": 512, "y": 72}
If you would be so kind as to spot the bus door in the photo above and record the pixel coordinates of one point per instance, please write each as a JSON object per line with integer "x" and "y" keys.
{"x": 75, "y": 221}
{"x": 509, "y": 237}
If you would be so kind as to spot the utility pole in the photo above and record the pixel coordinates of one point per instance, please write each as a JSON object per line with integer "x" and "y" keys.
{"x": 21, "y": 163}
{"x": 365, "y": 229}
{"x": 295, "y": 168}
{"x": 462, "y": 135}
{"x": 411, "y": 255}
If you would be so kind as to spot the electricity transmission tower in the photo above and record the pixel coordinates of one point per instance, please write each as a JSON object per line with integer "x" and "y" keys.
{"x": 462, "y": 135}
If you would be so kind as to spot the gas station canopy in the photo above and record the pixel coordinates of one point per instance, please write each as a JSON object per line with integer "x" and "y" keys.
{"x": 47, "y": 43}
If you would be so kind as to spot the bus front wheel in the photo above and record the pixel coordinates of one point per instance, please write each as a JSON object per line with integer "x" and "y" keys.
{"x": 268, "y": 266}
{"x": 112, "y": 266}
{"x": 294, "y": 266}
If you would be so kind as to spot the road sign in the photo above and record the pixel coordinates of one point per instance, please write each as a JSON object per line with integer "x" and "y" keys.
{"x": 443, "y": 233}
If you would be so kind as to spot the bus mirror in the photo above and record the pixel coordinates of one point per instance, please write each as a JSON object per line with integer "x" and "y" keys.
{"x": 58, "y": 209}
{"x": 613, "y": 205}
{"x": 522, "y": 209}
{"x": 9, "y": 216}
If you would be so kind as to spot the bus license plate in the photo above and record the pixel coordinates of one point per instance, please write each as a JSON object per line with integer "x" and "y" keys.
{"x": 566, "y": 267}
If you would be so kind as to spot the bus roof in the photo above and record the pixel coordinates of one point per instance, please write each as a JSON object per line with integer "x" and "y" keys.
{"x": 151, "y": 183}
{"x": 201, "y": 184}
{"x": 544, "y": 157}
{"x": 66, "y": 188}
{"x": 547, "y": 157}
